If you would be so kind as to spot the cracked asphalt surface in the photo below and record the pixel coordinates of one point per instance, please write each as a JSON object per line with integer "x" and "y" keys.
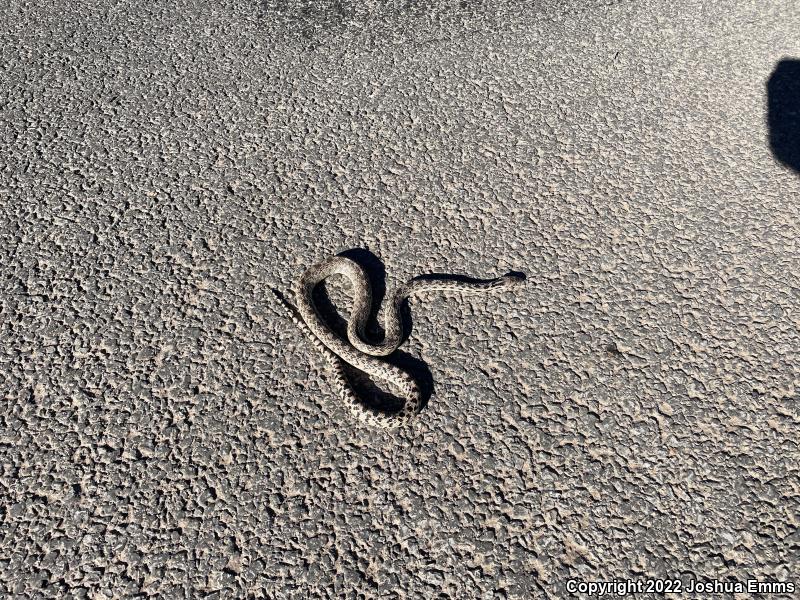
{"x": 631, "y": 412}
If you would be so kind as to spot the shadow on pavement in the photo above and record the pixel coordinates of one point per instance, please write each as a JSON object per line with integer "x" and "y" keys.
{"x": 783, "y": 112}
{"x": 376, "y": 275}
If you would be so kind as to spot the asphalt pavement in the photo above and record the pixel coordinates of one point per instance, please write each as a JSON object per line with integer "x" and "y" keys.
{"x": 632, "y": 412}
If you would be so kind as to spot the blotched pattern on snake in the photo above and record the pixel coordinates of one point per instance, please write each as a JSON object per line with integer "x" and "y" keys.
{"x": 356, "y": 351}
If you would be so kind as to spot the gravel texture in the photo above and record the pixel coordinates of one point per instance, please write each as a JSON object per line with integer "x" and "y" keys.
{"x": 631, "y": 412}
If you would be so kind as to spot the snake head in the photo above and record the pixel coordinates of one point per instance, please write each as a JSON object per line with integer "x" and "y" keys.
{"x": 512, "y": 278}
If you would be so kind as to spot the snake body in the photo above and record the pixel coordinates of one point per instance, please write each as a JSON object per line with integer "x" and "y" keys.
{"x": 356, "y": 350}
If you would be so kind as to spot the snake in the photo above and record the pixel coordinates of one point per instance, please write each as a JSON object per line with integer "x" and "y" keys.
{"x": 356, "y": 351}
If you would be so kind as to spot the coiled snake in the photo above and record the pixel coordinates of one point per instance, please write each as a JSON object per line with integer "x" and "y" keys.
{"x": 356, "y": 351}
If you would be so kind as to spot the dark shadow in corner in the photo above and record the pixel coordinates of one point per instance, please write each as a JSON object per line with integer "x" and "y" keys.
{"x": 783, "y": 112}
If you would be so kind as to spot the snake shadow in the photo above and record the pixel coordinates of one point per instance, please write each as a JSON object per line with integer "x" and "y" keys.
{"x": 379, "y": 398}
{"x": 376, "y": 273}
